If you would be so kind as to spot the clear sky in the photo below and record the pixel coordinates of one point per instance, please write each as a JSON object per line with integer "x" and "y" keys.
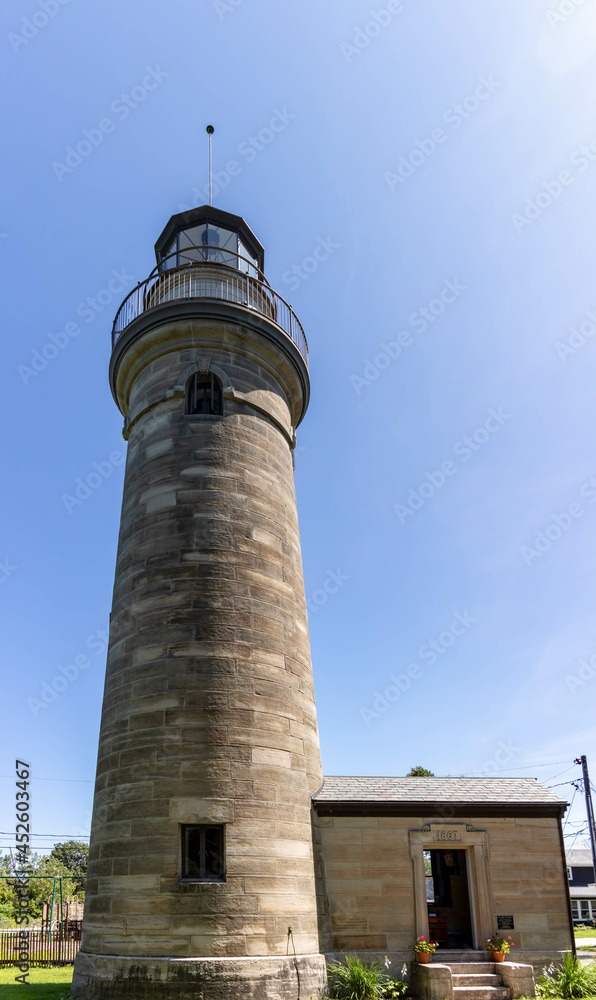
{"x": 443, "y": 156}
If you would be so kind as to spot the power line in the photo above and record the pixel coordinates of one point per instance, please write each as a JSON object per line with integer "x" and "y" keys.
{"x": 522, "y": 767}
{"x": 570, "y": 807}
{"x": 562, "y": 772}
{"x": 574, "y": 839}
{"x": 8, "y": 833}
{"x": 88, "y": 781}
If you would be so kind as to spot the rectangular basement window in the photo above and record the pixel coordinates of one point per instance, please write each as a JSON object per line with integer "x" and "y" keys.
{"x": 203, "y": 853}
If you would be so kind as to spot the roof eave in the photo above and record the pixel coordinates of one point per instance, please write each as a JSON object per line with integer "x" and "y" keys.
{"x": 439, "y": 810}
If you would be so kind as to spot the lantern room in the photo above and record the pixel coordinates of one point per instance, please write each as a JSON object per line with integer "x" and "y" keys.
{"x": 208, "y": 235}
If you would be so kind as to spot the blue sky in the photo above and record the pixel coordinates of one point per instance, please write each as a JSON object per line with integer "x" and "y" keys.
{"x": 446, "y": 472}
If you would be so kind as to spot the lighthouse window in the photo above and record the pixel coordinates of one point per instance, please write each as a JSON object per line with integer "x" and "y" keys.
{"x": 189, "y": 243}
{"x": 247, "y": 261}
{"x": 203, "y": 853}
{"x": 203, "y": 394}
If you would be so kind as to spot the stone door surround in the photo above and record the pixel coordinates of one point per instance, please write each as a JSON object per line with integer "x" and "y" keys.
{"x": 462, "y": 836}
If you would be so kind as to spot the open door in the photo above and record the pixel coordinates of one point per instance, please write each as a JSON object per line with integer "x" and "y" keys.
{"x": 448, "y": 899}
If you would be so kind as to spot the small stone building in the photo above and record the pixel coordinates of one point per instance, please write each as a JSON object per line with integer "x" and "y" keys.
{"x": 451, "y": 858}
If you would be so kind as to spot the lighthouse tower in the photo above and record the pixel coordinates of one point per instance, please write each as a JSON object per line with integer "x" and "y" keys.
{"x": 201, "y": 876}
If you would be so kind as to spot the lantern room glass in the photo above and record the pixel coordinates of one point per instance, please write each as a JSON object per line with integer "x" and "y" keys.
{"x": 212, "y": 244}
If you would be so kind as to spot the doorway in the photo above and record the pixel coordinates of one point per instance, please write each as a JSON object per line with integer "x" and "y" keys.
{"x": 448, "y": 899}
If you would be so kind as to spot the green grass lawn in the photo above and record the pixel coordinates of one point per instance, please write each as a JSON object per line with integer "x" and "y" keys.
{"x": 48, "y": 984}
{"x": 581, "y": 932}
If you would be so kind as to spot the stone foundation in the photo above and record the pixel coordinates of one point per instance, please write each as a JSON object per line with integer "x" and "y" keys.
{"x": 98, "y": 977}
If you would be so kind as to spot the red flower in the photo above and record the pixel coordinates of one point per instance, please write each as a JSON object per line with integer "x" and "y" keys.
{"x": 422, "y": 937}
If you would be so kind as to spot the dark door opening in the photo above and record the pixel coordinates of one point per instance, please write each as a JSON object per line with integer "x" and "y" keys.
{"x": 448, "y": 899}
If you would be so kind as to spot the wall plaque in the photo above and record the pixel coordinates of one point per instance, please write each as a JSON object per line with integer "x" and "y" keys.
{"x": 449, "y": 834}
{"x": 505, "y": 922}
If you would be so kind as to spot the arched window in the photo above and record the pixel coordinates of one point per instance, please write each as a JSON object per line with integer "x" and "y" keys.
{"x": 203, "y": 394}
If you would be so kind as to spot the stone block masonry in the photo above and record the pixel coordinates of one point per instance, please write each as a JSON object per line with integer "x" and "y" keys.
{"x": 208, "y": 713}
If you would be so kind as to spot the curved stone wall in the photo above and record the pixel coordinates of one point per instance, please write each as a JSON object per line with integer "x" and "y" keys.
{"x": 209, "y": 712}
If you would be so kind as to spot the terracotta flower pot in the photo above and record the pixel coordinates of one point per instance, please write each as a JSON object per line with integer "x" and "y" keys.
{"x": 498, "y": 956}
{"x": 423, "y": 957}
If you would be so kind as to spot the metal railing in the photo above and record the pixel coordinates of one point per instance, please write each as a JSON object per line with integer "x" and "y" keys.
{"x": 204, "y": 279}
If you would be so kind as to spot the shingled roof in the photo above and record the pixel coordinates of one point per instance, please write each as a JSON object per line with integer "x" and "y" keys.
{"x": 409, "y": 794}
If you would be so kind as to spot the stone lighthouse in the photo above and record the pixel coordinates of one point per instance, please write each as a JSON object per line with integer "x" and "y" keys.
{"x": 202, "y": 876}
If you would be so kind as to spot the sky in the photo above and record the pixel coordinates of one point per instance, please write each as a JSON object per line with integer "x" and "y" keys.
{"x": 443, "y": 155}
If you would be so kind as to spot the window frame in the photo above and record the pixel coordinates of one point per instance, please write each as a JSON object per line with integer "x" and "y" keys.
{"x": 204, "y": 876}
{"x": 216, "y": 394}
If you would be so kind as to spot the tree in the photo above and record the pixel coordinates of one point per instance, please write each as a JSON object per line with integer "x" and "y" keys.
{"x": 73, "y": 854}
{"x": 71, "y": 857}
{"x": 7, "y": 894}
{"x": 419, "y": 772}
{"x": 66, "y": 859}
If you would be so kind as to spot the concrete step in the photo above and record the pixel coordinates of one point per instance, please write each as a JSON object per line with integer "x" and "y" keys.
{"x": 450, "y": 955}
{"x": 475, "y": 979}
{"x": 465, "y": 968}
{"x": 481, "y": 993}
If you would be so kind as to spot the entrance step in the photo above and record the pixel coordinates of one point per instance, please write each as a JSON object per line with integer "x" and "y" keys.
{"x": 468, "y": 968}
{"x": 481, "y": 993}
{"x": 475, "y": 979}
{"x": 467, "y": 957}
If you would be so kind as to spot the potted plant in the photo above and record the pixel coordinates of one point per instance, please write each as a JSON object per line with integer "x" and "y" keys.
{"x": 423, "y": 949}
{"x": 498, "y": 947}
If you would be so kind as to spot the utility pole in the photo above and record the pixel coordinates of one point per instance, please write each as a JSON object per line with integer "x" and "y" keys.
{"x": 589, "y": 807}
